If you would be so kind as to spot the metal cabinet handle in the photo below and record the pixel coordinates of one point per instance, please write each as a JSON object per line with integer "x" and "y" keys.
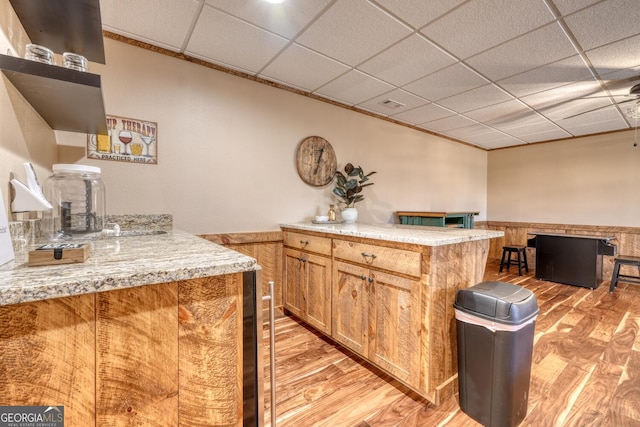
{"x": 371, "y": 279}
{"x": 302, "y": 259}
{"x": 363, "y": 277}
{"x": 368, "y": 258}
{"x": 304, "y": 243}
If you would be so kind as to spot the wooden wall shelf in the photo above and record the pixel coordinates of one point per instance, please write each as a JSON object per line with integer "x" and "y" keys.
{"x": 64, "y": 25}
{"x": 66, "y": 99}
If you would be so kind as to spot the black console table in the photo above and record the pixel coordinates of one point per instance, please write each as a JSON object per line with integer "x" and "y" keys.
{"x": 570, "y": 258}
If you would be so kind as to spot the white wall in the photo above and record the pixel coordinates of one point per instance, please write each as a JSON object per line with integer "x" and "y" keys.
{"x": 227, "y": 145}
{"x": 593, "y": 180}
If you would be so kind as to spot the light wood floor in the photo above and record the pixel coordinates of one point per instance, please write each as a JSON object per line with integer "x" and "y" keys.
{"x": 585, "y": 370}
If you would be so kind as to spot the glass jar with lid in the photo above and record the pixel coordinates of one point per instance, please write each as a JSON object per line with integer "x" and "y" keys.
{"x": 78, "y": 197}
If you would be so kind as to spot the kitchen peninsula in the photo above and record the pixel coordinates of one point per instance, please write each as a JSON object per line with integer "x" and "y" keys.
{"x": 386, "y": 292}
{"x": 153, "y": 329}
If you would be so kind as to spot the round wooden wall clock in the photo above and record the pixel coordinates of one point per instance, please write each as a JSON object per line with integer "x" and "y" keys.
{"x": 316, "y": 161}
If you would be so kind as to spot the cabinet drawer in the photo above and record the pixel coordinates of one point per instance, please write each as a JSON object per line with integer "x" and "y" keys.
{"x": 321, "y": 245}
{"x": 398, "y": 260}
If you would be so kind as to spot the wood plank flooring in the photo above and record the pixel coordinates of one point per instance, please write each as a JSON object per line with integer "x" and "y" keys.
{"x": 585, "y": 369}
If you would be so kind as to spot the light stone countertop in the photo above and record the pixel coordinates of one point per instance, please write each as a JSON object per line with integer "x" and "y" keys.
{"x": 416, "y": 234}
{"x": 121, "y": 262}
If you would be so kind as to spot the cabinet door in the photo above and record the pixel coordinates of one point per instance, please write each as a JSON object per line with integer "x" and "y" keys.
{"x": 394, "y": 326}
{"x": 318, "y": 292}
{"x": 350, "y": 301}
{"x": 294, "y": 281}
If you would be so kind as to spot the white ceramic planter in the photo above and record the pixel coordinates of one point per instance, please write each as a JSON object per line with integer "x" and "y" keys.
{"x": 350, "y": 215}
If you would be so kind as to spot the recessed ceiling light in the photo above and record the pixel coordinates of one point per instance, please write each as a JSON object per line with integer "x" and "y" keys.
{"x": 274, "y": 1}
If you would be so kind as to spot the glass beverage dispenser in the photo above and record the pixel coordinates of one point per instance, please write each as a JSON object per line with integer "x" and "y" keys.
{"x": 78, "y": 197}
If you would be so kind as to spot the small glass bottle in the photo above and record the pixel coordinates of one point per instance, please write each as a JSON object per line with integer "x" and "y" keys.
{"x": 332, "y": 213}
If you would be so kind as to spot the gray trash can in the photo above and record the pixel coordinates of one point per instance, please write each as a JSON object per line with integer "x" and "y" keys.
{"x": 495, "y": 323}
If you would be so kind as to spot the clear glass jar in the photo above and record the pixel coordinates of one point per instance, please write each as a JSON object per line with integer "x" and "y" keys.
{"x": 74, "y": 61}
{"x": 78, "y": 197}
{"x": 39, "y": 53}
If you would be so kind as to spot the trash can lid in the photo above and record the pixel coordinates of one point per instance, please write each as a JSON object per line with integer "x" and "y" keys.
{"x": 498, "y": 301}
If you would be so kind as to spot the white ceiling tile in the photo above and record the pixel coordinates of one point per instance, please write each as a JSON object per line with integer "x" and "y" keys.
{"x": 303, "y": 68}
{"x": 353, "y": 31}
{"x": 286, "y": 19}
{"x": 616, "y": 56}
{"x": 535, "y": 49}
{"x": 524, "y": 132}
{"x": 547, "y": 77}
{"x": 354, "y": 87}
{"x": 566, "y": 7}
{"x": 475, "y": 98}
{"x": 555, "y": 98}
{"x": 417, "y": 13}
{"x": 482, "y": 24}
{"x": 407, "y": 51}
{"x": 407, "y": 100}
{"x": 483, "y": 136}
{"x": 597, "y": 121}
{"x": 504, "y": 112}
{"x": 548, "y": 135}
{"x": 476, "y": 129}
{"x": 426, "y": 113}
{"x": 163, "y": 23}
{"x": 605, "y": 22}
{"x": 447, "y": 82}
{"x": 500, "y": 142}
{"x": 221, "y": 38}
{"x": 448, "y": 123}
{"x": 407, "y": 61}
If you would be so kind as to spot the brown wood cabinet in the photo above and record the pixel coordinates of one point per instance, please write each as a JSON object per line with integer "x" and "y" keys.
{"x": 166, "y": 355}
{"x": 391, "y": 302}
{"x": 307, "y": 288}
{"x": 375, "y": 313}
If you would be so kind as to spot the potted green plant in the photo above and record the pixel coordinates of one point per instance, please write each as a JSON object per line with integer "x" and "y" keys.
{"x": 349, "y": 187}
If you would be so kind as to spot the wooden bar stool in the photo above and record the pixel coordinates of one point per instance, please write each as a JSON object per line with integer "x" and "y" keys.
{"x": 520, "y": 260}
{"x": 617, "y": 277}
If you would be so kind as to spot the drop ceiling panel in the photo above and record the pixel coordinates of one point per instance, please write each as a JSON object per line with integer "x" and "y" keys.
{"x": 569, "y": 6}
{"x": 303, "y": 68}
{"x": 448, "y": 123}
{"x": 607, "y": 120}
{"x": 547, "y": 77}
{"x": 605, "y": 22}
{"x": 547, "y": 135}
{"x": 475, "y": 130}
{"x": 425, "y": 113}
{"x": 409, "y": 60}
{"x": 353, "y": 31}
{"x": 504, "y": 112}
{"x": 286, "y": 19}
{"x": 482, "y": 24}
{"x": 446, "y": 82}
{"x": 164, "y": 23}
{"x": 508, "y": 65}
{"x": 616, "y": 56}
{"x": 219, "y": 37}
{"x": 418, "y": 13}
{"x": 500, "y": 142}
{"x": 547, "y": 128}
{"x": 535, "y": 49}
{"x": 475, "y": 98}
{"x": 354, "y": 87}
{"x": 397, "y": 96}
